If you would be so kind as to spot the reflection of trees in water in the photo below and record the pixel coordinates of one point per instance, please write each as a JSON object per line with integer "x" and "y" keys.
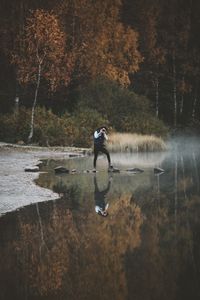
{"x": 167, "y": 264}
{"x": 148, "y": 273}
{"x": 70, "y": 193}
{"x": 135, "y": 251}
{"x": 83, "y": 254}
{"x": 147, "y": 248}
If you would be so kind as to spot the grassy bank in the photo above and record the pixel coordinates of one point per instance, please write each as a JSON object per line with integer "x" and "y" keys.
{"x": 128, "y": 142}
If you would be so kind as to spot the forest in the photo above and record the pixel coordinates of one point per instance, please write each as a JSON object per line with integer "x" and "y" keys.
{"x": 68, "y": 66}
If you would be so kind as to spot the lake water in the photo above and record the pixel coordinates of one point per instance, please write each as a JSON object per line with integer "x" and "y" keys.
{"x": 148, "y": 247}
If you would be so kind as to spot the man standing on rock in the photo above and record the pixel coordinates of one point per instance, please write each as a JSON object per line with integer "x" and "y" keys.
{"x": 100, "y": 138}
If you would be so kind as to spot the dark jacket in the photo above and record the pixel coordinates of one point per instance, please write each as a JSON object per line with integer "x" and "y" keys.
{"x": 99, "y": 137}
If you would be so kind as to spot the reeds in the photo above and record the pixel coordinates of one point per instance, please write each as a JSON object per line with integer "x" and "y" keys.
{"x": 128, "y": 142}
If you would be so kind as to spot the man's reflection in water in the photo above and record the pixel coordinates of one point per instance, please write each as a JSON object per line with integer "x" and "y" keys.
{"x": 100, "y": 196}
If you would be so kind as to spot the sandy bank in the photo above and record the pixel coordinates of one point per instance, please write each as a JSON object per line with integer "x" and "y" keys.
{"x": 17, "y": 187}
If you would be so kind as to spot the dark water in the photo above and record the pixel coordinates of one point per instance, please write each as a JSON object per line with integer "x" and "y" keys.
{"x": 148, "y": 247}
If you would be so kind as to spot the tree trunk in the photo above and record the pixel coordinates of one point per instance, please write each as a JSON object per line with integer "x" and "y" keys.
{"x": 34, "y": 104}
{"x": 174, "y": 90}
{"x": 182, "y": 98}
{"x": 194, "y": 107}
{"x": 43, "y": 243}
{"x": 184, "y": 179}
{"x": 196, "y": 173}
{"x": 158, "y": 190}
{"x": 16, "y": 106}
{"x": 181, "y": 106}
{"x": 157, "y": 96}
{"x": 176, "y": 189}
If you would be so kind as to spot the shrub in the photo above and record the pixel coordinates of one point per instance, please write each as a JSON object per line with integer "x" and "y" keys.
{"x": 67, "y": 130}
{"x": 125, "y": 110}
{"x": 143, "y": 124}
{"x": 15, "y": 127}
{"x": 50, "y": 129}
{"x": 87, "y": 120}
{"x": 53, "y": 130}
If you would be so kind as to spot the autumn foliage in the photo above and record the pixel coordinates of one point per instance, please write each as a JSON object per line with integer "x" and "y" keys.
{"x": 42, "y": 44}
{"x": 150, "y": 47}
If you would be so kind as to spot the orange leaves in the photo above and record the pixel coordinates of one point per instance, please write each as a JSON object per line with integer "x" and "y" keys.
{"x": 117, "y": 74}
{"x": 113, "y": 53}
{"x": 94, "y": 43}
{"x": 125, "y": 44}
{"x": 100, "y": 43}
{"x": 44, "y": 44}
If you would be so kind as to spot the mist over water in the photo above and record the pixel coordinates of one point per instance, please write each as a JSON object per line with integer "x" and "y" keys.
{"x": 148, "y": 247}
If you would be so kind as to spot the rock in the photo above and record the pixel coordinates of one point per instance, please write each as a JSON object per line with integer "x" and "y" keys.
{"x": 39, "y": 163}
{"x": 113, "y": 170}
{"x": 90, "y": 171}
{"x": 158, "y": 171}
{"x": 135, "y": 170}
{"x": 74, "y": 155}
{"x": 32, "y": 169}
{"x": 73, "y": 171}
{"x": 61, "y": 170}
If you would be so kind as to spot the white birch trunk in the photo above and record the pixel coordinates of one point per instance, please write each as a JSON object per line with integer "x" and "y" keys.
{"x": 182, "y": 98}
{"x": 34, "y": 104}
{"x": 157, "y": 96}
{"x": 16, "y": 107}
{"x": 184, "y": 179}
{"x": 194, "y": 107}
{"x": 196, "y": 171}
{"x": 174, "y": 90}
{"x": 43, "y": 243}
{"x": 181, "y": 105}
{"x": 176, "y": 190}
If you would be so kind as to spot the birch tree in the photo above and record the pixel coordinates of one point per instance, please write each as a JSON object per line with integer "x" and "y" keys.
{"x": 43, "y": 56}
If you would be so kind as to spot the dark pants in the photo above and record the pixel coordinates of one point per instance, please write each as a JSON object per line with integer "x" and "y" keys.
{"x": 102, "y": 149}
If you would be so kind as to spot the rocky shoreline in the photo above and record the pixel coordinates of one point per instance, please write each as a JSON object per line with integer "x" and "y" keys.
{"x": 17, "y": 187}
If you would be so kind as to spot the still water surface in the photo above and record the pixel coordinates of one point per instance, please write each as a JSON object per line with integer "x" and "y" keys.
{"x": 148, "y": 247}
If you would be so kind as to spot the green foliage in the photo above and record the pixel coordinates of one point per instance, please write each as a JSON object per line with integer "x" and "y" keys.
{"x": 126, "y": 111}
{"x": 87, "y": 120}
{"x": 51, "y": 130}
{"x": 144, "y": 124}
{"x": 14, "y": 127}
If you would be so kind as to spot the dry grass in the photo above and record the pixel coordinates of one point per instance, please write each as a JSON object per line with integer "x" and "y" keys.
{"x": 128, "y": 142}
